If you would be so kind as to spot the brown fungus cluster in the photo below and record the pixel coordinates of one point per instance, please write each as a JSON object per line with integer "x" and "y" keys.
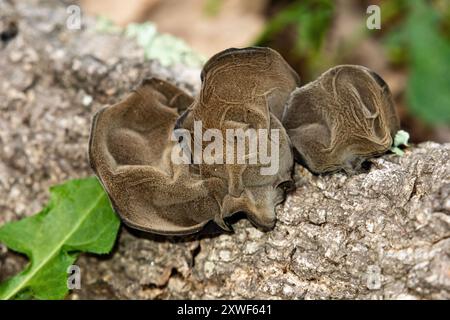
{"x": 334, "y": 123}
{"x": 341, "y": 119}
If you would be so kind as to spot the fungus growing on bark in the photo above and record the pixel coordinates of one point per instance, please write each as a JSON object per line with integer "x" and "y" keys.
{"x": 170, "y": 174}
{"x": 130, "y": 149}
{"x": 247, "y": 89}
{"x": 341, "y": 119}
{"x": 132, "y": 144}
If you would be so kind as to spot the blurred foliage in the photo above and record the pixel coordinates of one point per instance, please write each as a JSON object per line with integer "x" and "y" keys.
{"x": 165, "y": 48}
{"x": 415, "y": 33}
{"x": 212, "y": 7}
{"x": 310, "y": 20}
{"x": 419, "y": 42}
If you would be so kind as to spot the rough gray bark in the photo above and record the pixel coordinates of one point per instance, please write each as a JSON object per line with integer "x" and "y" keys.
{"x": 380, "y": 234}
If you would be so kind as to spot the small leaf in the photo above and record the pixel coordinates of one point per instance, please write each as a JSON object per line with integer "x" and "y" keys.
{"x": 77, "y": 218}
{"x": 401, "y": 138}
{"x": 397, "y": 151}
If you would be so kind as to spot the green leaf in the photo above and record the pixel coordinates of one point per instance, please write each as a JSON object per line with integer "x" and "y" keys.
{"x": 397, "y": 151}
{"x": 401, "y": 139}
{"x": 78, "y": 218}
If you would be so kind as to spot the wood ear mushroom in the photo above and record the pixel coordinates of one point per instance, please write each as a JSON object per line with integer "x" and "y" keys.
{"x": 246, "y": 89}
{"x": 341, "y": 119}
{"x": 130, "y": 152}
{"x": 131, "y": 144}
{"x": 333, "y": 123}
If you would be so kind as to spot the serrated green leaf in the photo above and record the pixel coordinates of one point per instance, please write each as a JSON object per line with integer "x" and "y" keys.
{"x": 78, "y": 218}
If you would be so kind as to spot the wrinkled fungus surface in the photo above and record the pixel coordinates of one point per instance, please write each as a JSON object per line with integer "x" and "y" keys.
{"x": 341, "y": 119}
{"x": 334, "y": 123}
